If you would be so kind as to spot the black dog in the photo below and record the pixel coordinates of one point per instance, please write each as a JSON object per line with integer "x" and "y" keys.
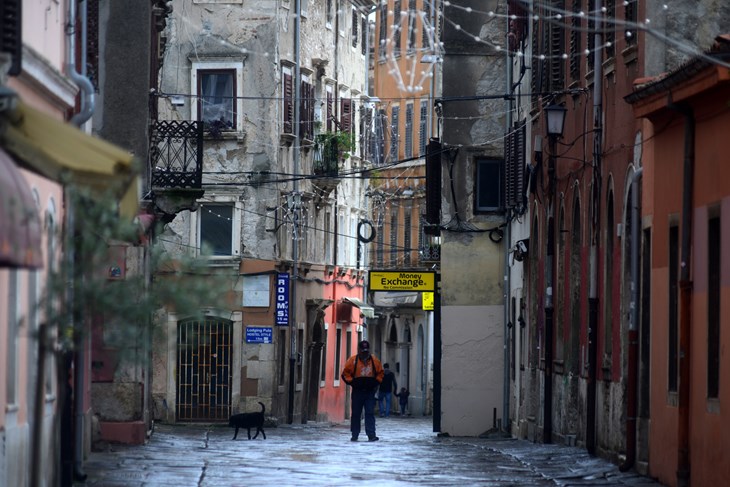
{"x": 248, "y": 421}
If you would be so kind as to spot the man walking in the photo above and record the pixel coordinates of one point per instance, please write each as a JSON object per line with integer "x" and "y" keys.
{"x": 364, "y": 373}
{"x": 385, "y": 392}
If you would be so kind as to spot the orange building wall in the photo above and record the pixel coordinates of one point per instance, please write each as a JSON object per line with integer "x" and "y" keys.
{"x": 709, "y": 437}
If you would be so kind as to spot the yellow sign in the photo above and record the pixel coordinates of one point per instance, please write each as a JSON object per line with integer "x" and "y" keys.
{"x": 427, "y": 301}
{"x": 401, "y": 281}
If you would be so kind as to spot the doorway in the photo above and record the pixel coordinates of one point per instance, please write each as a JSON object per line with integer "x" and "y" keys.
{"x": 203, "y": 391}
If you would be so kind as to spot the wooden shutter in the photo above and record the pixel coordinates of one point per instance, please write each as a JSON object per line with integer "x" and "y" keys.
{"x": 330, "y": 111}
{"x": 288, "y": 104}
{"x": 346, "y": 114}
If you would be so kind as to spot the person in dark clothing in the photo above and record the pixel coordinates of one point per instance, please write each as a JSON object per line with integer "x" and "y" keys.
{"x": 403, "y": 400}
{"x": 364, "y": 373}
{"x": 386, "y": 390}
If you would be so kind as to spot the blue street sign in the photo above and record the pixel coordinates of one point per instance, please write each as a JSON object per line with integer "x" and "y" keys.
{"x": 282, "y": 299}
{"x": 259, "y": 334}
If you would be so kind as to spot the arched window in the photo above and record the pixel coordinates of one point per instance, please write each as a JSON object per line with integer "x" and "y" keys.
{"x": 575, "y": 285}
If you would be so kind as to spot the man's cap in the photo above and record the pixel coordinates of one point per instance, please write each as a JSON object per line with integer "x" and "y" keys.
{"x": 364, "y": 346}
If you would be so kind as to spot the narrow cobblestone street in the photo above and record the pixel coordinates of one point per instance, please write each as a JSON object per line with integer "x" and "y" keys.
{"x": 408, "y": 453}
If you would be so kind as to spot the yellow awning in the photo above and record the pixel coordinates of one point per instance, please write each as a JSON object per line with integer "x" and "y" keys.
{"x": 53, "y": 148}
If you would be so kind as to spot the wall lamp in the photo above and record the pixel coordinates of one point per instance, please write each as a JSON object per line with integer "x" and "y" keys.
{"x": 555, "y": 115}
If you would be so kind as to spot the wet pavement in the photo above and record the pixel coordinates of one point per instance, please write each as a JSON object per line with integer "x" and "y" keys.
{"x": 408, "y": 453}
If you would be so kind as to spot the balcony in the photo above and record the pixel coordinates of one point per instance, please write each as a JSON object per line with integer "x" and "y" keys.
{"x": 176, "y": 154}
{"x": 430, "y": 250}
{"x": 176, "y": 162}
{"x": 330, "y": 148}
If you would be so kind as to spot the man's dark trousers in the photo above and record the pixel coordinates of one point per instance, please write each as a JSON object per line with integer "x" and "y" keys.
{"x": 363, "y": 398}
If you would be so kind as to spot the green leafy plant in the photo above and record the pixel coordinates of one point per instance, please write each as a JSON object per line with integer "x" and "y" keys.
{"x": 343, "y": 143}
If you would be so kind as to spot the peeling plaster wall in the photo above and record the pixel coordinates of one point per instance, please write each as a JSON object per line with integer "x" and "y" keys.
{"x": 252, "y": 166}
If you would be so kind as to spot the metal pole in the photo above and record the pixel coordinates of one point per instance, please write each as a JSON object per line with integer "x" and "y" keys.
{"x": 595, "y": 231}
{"x": 549, "y": 305}
{"x": 295, "y": 253}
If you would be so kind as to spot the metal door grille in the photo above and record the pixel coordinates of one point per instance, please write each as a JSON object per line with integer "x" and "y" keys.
{"x": 204, "y": 370}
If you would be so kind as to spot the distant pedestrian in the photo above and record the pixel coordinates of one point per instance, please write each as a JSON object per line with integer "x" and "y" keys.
{"x": 386, "y": 390}
{"x": 403, "y": 400}
{"x": 364, "y": 373}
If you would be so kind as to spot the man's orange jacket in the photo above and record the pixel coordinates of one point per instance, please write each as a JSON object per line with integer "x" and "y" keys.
{"x": 363, "y": 375}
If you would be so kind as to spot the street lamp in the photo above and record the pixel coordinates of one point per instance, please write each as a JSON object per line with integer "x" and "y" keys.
{"x": 555, "y": 121}
{"x": 555, "y": 116}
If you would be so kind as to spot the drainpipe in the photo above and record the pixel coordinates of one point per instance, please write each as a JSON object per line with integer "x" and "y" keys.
{"x": 685, "y": 298}
{"x": 631, "y": 380}
{"x": 87, "y": 89}
{"x": 596, "y": 218}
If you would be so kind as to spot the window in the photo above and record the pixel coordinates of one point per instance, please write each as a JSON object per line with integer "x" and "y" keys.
{"x": 608, "y": 293}
{"x": 355, "y": 22}
{"x": 489, "y": 184}
{"x": 557, "y": 49}
{"x": 346, "y": 114}
{"x": 394, "y": 133}
{"x": 673, "y": 306}
{"x": 407, "y": 235}
{"x": 575, "y": 42}
{"x": 338, "y": 355}
{"x": 364, "y": 35}
{"x": 218, "y": 229}
{"x": 383, "y": 31}
{"x": 216, "y": 93}
{"x": 330, "y": 115}
{"x": 287, "y": 90}
{"x": 630, "y": 15}
{"x": 591, "y": 30}
{"x": 713, "y": 305}
{"x": 323, "y": 359}
{"x": 396, "y": 28}
{"x": 409, "y": 130}
{"x": 306, "y": 109}
{"x": 423, "y": 128}
{"x": 394, "y": 236}
{"x": 609, "y": 27}
{"x": 412, "y": 30}
{"x": 328, "y": 14}
{"x": 217, "y": 86}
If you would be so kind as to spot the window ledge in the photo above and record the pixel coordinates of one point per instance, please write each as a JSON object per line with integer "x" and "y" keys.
{"x": 630, "y": 54}
{"x": 713, "y": 405}
{"x": 286, "y": 138}
{"x": 226, "y": 135}
{"x": 609, "y": 66}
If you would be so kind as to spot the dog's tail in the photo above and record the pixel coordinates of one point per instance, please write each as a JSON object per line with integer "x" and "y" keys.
{"x": 263, "y": 408}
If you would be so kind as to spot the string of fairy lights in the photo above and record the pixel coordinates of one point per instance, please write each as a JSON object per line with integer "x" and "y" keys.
{"x": 411, "y": 81}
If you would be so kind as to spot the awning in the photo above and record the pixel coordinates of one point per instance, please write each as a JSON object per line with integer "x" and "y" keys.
{"x": 54, "y": 148}
{"x": 20, "y": 224}
{"x": 365, "y": 309}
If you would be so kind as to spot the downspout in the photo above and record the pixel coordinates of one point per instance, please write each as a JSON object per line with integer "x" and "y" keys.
{"x": 631, "y": 380}
{"x": 596, "y": 204}
{"x": 685, "y": 298}
{"x": 87, "y": 89}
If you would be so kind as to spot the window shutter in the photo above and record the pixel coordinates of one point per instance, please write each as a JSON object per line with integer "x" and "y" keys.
{"x": 575, "y": 42}
{"x": 330, "y": 111}
{"x": 409, "y": 131}
{"x": 514, "y": 161}
{"x": 364, "y": 34}
{"x": 383, "y": 29}
{"x": 354, "y": 27}
{"x": 396, "y": 28}
{"x": 346, "y": 114}
{"x": 288, "y": 104}
{"x": 557, "y": 49}
{"x": 11, "y": 30}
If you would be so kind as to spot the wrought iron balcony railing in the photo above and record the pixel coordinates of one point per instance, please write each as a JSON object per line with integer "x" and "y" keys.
{"x": 176, "y": 154}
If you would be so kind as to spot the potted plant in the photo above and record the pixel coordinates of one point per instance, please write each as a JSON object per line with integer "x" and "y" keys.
{"x": 331, "y": 148}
